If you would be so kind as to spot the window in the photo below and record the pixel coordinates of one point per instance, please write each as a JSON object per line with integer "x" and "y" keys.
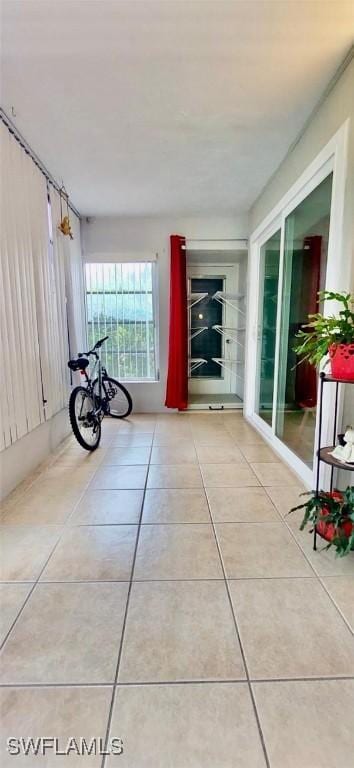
{"x": 120, "y": 304}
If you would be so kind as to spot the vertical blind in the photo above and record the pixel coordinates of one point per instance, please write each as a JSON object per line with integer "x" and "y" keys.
{"x": 21, "y": 384}
{"x": 74, "y": 281}
{"x": 33, "y": 296}
{"x": 120, "y": 304}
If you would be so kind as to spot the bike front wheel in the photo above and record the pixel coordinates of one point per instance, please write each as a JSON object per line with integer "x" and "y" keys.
{"x": 119, "y": 403}
{"x": 85, "y": 425}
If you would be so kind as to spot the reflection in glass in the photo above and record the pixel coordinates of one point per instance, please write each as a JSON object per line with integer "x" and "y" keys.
{"x": 305, "y": 261}
{"x": 270, "y": 257}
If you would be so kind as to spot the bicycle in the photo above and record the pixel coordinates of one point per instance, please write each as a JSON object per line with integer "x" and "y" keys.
{"x": 102, "y": 396}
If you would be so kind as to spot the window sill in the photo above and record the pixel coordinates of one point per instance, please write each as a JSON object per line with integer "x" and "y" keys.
{"x": 139, "y": 381}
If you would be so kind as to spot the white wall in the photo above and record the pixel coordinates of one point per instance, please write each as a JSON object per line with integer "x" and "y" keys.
{"x": 333, "y": 112}
{"x": 338, "y": 106}
{"x": 108, "y": 238}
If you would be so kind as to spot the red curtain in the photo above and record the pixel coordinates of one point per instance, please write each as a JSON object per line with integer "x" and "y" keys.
{"x": 177, "y": 377}
{"x": 306, "y": 376}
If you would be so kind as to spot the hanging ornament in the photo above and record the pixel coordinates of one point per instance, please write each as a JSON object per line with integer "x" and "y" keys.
{"x": 64, "y": 225}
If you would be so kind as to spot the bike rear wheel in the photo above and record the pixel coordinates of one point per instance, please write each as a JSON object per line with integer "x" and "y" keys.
{"x": 86, "y": 427}
{"x": 120, "y": 403}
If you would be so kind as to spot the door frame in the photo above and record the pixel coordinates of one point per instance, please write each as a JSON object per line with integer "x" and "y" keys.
{"x": 331, "y": 159}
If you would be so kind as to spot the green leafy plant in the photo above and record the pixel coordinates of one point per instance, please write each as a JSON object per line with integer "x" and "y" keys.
{"x": 332, "y": 513}
{"x": 321, "y": 332}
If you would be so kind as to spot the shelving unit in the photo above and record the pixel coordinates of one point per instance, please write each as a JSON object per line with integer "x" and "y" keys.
{"x": 196, "y": 331}
{"x": 226, "y": 362}
{"x": 195, "y": 298}
{"x": 229, "y": 333}
{"x": 324, "y": 452}
{"x": 231, "y": 299}
{"x": 207, "y": 353}
{"x": 195, "y": 362}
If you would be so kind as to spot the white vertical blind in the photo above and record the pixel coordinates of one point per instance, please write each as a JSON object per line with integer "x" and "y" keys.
{"x": 39, "y": 270}
{"x": 74, "y": 277}
{"x": 22, "y": 406}
{"x": 45, "y": 294}
{"x": 58, "y": 255}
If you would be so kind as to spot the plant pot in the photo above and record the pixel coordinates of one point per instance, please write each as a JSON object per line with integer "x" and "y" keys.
{"x": 329, "y": 531}
{"x": 342, "y": 361}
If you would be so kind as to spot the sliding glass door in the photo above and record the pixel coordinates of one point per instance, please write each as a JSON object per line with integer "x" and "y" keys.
{"x": 292, "y": 270}
{"x": 267, "y": 325}
{"x": 304, "y": 275}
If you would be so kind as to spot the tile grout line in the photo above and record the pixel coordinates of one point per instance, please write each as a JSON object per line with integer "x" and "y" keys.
{"x": 321, "y": 580}
{"x": 177, "y": 522}
{"x": 195, "y": 681}
{"x": 120, "y": 650}
{"x": 316, "y": 575}
{"x": 29, "y": 482}
{"x": 37, "y": 581}
{"x": 251, "y": 693}
{"x": 162, "y": 579}
{"x": 65, "y": 525}
{"x": 41, "y": 476}
{"x": 115, "y": 685}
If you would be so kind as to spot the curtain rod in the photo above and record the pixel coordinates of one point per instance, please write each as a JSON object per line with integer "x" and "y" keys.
{"x": 29, "y": 151}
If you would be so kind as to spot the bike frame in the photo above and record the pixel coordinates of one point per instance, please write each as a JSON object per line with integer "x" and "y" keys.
{"x": 100, "y": 388}
{"x": 95, "y": 373}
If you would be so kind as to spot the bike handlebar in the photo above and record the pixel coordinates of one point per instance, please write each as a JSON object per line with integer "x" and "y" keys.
{"x": 97, "y": 346}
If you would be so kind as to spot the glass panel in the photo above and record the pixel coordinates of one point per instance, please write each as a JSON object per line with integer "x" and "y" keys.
{"x": 270, "y": 257}
{"x": 305, "y": 261}
{"x": 119, "y": 301}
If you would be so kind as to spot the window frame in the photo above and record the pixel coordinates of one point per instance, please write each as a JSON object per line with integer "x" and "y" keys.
{"x": 121, "y": 259}
{"x": 331, "y": 159}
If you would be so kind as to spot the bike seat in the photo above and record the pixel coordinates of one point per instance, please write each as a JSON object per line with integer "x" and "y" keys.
{"x": 79, "y": 364}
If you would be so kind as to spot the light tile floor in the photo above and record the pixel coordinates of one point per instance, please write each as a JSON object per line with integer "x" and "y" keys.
{"x": 156, "y": 591}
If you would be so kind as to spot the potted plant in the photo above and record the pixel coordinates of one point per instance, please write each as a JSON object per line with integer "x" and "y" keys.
{"x": 332, "y": 515}
{"x": 333, "y": 336}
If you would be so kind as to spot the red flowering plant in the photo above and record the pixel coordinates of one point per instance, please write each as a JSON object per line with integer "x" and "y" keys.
{"x": 332, "y": 514}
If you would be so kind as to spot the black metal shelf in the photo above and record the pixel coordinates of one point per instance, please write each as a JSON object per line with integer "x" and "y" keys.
{"x": 324, "y": 452}
{"x": 326, "y": 377}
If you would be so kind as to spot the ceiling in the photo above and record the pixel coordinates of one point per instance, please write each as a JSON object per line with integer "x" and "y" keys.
{"x": 155, "y": 107}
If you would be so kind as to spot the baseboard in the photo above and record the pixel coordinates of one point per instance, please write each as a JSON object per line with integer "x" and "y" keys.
{"x": 19, "y": 460}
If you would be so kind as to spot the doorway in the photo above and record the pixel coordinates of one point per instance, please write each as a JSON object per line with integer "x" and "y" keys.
{"x": 205, "y": 315}
{"x": 294, "y": 255}
{"x": 216, "y": 331}
{"x": 291, "y": 405}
